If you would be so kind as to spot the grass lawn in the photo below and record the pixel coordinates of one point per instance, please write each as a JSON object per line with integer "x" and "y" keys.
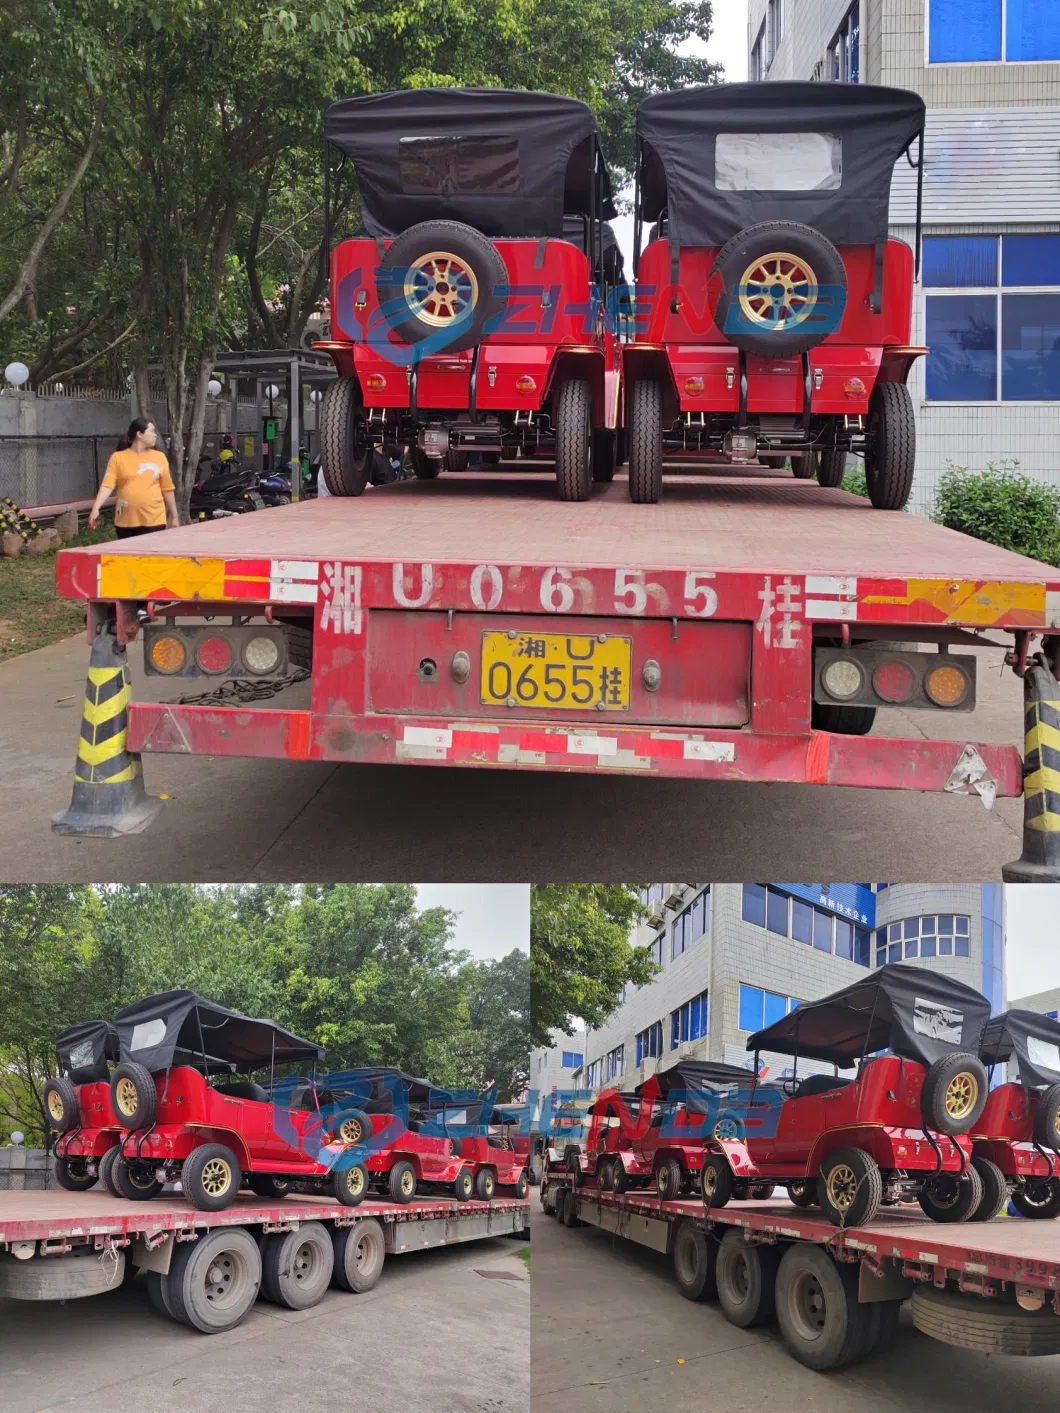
{"x": 524, "y": 1255}
{"x": 31, "y": 616}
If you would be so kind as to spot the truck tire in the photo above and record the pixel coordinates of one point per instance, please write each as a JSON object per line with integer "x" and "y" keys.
{"x": 268, "y": 1186}
{"x": 214, "y": 1281}
{"x": 439, "y": 276}
{"x": 455, "y": 460}
{"x": 829, "y": 467}
{"x": 349, "y": 1185}
{"x": 995, "y": 1190}
{"x": 645, "y": 442}
{"x": 850, "y": 1188}
{"x": 60, "y": 1104}
{"x": 989, "y": 1326}
{"x": 573, "y": 419}
{"x": 1039, "y": 1201}
{"x": 884, "y": 1326}
{"x": 401, "y": 1181}
{"x": 669, "y": 1179}
{"x": 158, "y": 1293}
{"x": 72, "y": 1276}
{"x": 821, "y": 1319}
{"x": 695, "y": 1256}
{"x": 570, "y": 1211}
{"x": 954, "y": 1093}
{"x": 560, "y": 1206}
{"x": 842, "y": 720}
{"x": 746, "y": 1278}
{"x": 951, "y": 1198}
{"x": 133, "y": 1095}
{"x": 464, "y": 1185}
{"x": 605, "y": 455}
{"x": 106, "y": 1170}
{"x": 716, "y": 1181}
{"x": 485, "y": 1184}
{"x": 135, "y": 1181}
{"x": 1047, "y": 1118}
{"x": 73, "y": 1174}
{"x": 210, "y": 1177}
{"x": 346, "y": 448}
{"x": 764, "y": 307}
{"x": 890, "y": 449}
{"x": 360, "y": 1251}
{"x": 296, "y": 1266}
{"x": 803, "y": 1193}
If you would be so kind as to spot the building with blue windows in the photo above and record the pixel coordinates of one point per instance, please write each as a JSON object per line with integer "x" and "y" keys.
{"x": 988, "y": 304}
{"x": 732, "y": 958}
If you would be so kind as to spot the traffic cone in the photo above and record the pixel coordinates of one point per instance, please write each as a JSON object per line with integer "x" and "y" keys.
{"x": 1040, "y": 861}
{"x": 109, "y": 797}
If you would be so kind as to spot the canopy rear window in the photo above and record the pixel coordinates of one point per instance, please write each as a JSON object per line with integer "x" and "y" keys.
{"x": 459, "y": 166}
{"x": 778, "y": 161}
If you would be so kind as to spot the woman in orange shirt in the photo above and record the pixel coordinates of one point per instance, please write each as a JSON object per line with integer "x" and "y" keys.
{"x": 138, "y": 474}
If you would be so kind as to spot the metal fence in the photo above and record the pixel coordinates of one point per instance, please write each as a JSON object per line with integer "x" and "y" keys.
{"x": 42, "y": 472}
{"x": 26, "y": 1170}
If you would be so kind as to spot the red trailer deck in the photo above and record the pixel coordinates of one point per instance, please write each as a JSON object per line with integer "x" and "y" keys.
{"x": 477, "y": 620}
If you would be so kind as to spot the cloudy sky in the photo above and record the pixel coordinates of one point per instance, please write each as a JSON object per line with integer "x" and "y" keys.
{"x": 493, "y": 918}
{"x": 1032, "y": 954}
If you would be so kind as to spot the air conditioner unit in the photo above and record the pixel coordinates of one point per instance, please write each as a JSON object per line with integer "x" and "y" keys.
{"x": 675, "y": 901}
{"x": 656, "y": 912}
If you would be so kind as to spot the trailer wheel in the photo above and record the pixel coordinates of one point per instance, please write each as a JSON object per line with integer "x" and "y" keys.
{"x": 560, "y": 1208}
{"x": 1038, "y": 1200}
{"x": 995, "y": 1190}
{"x": 829, "y": 466}
{"x": 522, "y": 1185}
{"x": 267, "y": 1185}
{"x": 746, "y": 1276}
{"x": 106, "y": 1170}
{"x": 158, "y": 1293}
{"x": 60, "y": 1105}
{"x": 695, "y": 1257}
{"x": 360, "y": 1251}
{"x": 73, "y": 1174}
{"x": 463, "y": 1185}
{"x": 951, "y": 1198}
{"x": 890, "y": 448}
{"x": 349, "y": 1185}
{"x": 485, "y": 1184}
{"x": 570, "y": 1216}
{"x": 716, "y": 1181}
{"x": 803, "y": 1193}
{"x": 821, "y": 1319}
{"x": 574, "y": 1168}
{"x": 619, "y": 1179}
{"x": 842, "y": 720}
{"x": 989, "y": 1326}
{"x": 605, "y": 454}
{"x": 213, "y": 1282}
{"x": 1047, "y": 1118}
{"x": 573, "y": 420}
{"x": 668, "y": 1179}
{"x": 296, "y": 1266}
{"x": 954, "y": 1093}
{"x": 850, "y": 1188}
{"x": 210, "y": 1178}
{"x": 136, "y": 1182}
{"x": 133, "y": 1094}
{"x": 883, "y": 1316}
{"x": 645, "y": 442}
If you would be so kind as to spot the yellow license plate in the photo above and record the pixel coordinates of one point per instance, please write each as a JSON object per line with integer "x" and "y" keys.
{"x": 556, "y": 671}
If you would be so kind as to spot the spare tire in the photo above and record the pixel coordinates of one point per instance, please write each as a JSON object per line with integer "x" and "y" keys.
{"x": 1047, "y": 1118}
{"x": 954, "y": 1093}
{"x": 784, "y": 289}
{"x": 133, "y": 1096}
{"x": 60, "y": 1103}
{"x": 441, "y": 280}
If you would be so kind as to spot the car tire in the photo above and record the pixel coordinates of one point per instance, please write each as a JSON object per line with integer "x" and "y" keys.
{"x": 987, "y": 1326}
{"x": 455, "y": 460}
{"x": 695, "y": 1255}
{"x": 349, "y": 1185}
{"x": 106, "y": 1170}
{"x": 605, "y": 455}
{"x": 829, "y": 466}
{"x": 213, "y": 1282}
{"x": 716, "y": 1182}
{"x": 1038, "y": 1201}
{"x": 480, "y": 259}
{"x": 360, "y": 1251}
{"x": 73, "y": 1175}
{"x": 604, "y": 1175}
{"x": 133, "y": 1096}
{"x": 463, "y": 1185}
{"x": 136, "y": 1182}
{"x": 951, "y": 1198}
{"x": 351, "y": 1126}
{"x": 61, "y": 1108}
{"x": 995, "y": 1190}
{"x": 572, "y": 411}
{"x": 1047, "y": 1118}
{"x": 522, "y": 1185}
{"x": 485, "y": 1184}
{"x": 296, "y": 1266}
{"x": 401, "y": 1182}
{"x": 762, "y": 1191}
{"x": 210, "y": 1177}
{"x": 746, "y": 1278}
{"x": 954, "y": 1093}
{"x": 269, "y": 1186}
{"x": 619, "y": 1179}
{"x": 424, "y": 467}
{"x": 668, "y": 1179}
{"x": 842, "y": 1207}
{"x": 645, "y": 442}
{"x": 346, "y": 448}
{"x": 890, "y": 449}
{"x": 804, "y": 467}
{"x": 821, "y": 1320}
{"x": 803, "y": 1193}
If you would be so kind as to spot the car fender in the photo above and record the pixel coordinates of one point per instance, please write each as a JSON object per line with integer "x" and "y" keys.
{"x": 737, "y": 1153}
{"x": 587, "y": 363}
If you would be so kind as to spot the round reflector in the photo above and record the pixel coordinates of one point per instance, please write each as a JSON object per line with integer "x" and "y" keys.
{"x": 168, "y": 654}
{"x": 947, "y": 686}
{"x": 894, "y": 681}
{"x": 843, "y": 678}
{"x": 214, "y": 654}
{"x": 693, "y": 386}
{"x": 375, "y": 382}
{"x": 525, "y": 384}
{"x": 261, "y": 655}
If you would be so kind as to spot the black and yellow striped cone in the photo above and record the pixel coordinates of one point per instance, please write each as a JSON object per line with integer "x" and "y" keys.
{"x": 109, "y": 797}
{"x": 1040, "y": 862}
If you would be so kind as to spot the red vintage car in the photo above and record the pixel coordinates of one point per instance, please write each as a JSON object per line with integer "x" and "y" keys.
{"x": 773, "y": 314}
{"x": 78, "y": 1106}
{"x": 1017, "y": 1136}
{"x": 614, "y": 1119}
{"x": 899, "y": 1129}
{"x": 470, "y": 318}
{"x": 488, "y": 1143}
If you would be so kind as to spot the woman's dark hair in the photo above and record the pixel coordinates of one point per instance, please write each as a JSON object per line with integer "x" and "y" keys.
{"x": 136, "y": 427}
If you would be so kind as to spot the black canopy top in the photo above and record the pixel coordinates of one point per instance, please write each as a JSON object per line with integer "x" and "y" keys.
{"x": 505, "y": 161}
{"x": 689, "y": 1079}
{"x": 378, "y": 1087}
{"x": 919, "y": 1014}
{"x": 154, "y": 1030}
{"x": 721, "y": 158}
{"x": 1034, "y": 1039}
{"x": 84, "y": 1050}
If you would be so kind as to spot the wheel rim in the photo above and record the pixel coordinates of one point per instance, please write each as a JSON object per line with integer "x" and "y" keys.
{"x": 216, "y": 1177}
{"x": 440, "y": 289}
{"x": 140, "y": 1176}
{"x": 740, "y": 1276}
{"x": 778, "y": 291}
{"x": 842, "y": 1187}
{"x": 798, "y": 1189}
{"x": 726, "y": 1128}
{"x": 806, "y": 1306}
{"x": 125, "y": 1097}
{"x": 1038, "y": 1194}
{"x": 962, "y": 1092}
{"x": 355, "y": 1181}
{"x": 55, "y": 1107}
{"x": 226, "y": 1278}
{"x": 365, "y": 1254}
{"x": 710, "y": 1181}
{"x": 664, "y": 1181}
{"x": 487, "y": 1186}
{"x": 408, "y": 1182}
{"x": 944, "y": 1192}
{"x": 351, "y": 1131}
{"x": 306, "y": 1262}
{"x": 689, "y": 1260}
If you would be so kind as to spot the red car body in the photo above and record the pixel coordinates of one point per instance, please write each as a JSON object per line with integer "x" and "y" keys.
{"x": 99, "y": 1130}
{"x": 1005, "y": 1134}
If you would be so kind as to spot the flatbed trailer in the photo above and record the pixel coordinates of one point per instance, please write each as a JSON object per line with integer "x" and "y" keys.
{"x": 683, "y": 639}
{"x": 206, "y": 1268}
{"x": 989, "y": 1286}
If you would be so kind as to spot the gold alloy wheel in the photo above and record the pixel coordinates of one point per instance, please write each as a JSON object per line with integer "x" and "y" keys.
{"x": 355, "y": 1181}
{"x": 126, "y": 1096}
{"x": 408, "y": 1182}
{"x": 842, "y": 1187}
{"x": 55, "y": 1106}
{"x": 726, "y": 1128}
{"x": 351, "y": 1131}
{"x": 440, "y": 288}
{"x": 710, "y": 1181}
{"x": 778, "y": 291}
{"x": 961, "y": 1095}
{"x": 216, "y": 1177}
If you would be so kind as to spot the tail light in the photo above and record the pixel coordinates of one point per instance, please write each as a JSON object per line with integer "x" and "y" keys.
{"x": 245, "y": 652}
{"x": 166, "y": 654}
{"x": 214, "y": 654}
{"x": 867, "y": 676}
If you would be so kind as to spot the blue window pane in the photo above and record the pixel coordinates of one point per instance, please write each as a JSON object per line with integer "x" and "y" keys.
{"x": 855, "y": 44}
{"x": 777, "y": 912}
{"x": 706, "y": 1013}
{"x": 776, "y": 1007}
{"x": 894, "y": 952}
{"x": 862, "y": 942}
{"x": 1033, "y": 30}
{"x": 793, "y": 1002}
{"x": 694, "y": 1031}
{"x": 844, "y": 938}
{"x": 927, "y": 925}
{"x": 945, "y": 946}
{"x": 927, "y": 946}
{"x": 706, "y": 912}
{"x": 881, "y": 956}
{"x": 962, "y": 336}
{"x": 697, "y": 917}
{"x": 640, "y": 1048}
{"x": 822, "y": 930}
{"x": 675, "y": 1029}
{"x": 960, "y": 946}
{"x": 1031, "y": 259}
{"x": 962, "y": 925}
{"x": 910, "y": 949}
{"x": 750, "y": 1007}
{"x": 945, "y": 922}
{"x": 1030, "y": 347}
{"x": 801, "y": 921}
{"x": 894, "y": 932}
{"x": 911, "y": 927}
{"x": 754, "y": 903}
{"x": 965, "y": 31}
{"x": 961, "y": 262}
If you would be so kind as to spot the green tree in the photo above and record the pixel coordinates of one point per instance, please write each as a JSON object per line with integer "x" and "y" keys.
{"x": 499, "y": 1021}
{"x": 581, "y": 957}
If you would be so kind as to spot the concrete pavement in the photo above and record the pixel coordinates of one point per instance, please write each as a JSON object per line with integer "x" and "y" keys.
{"x": 233, "y": 820}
